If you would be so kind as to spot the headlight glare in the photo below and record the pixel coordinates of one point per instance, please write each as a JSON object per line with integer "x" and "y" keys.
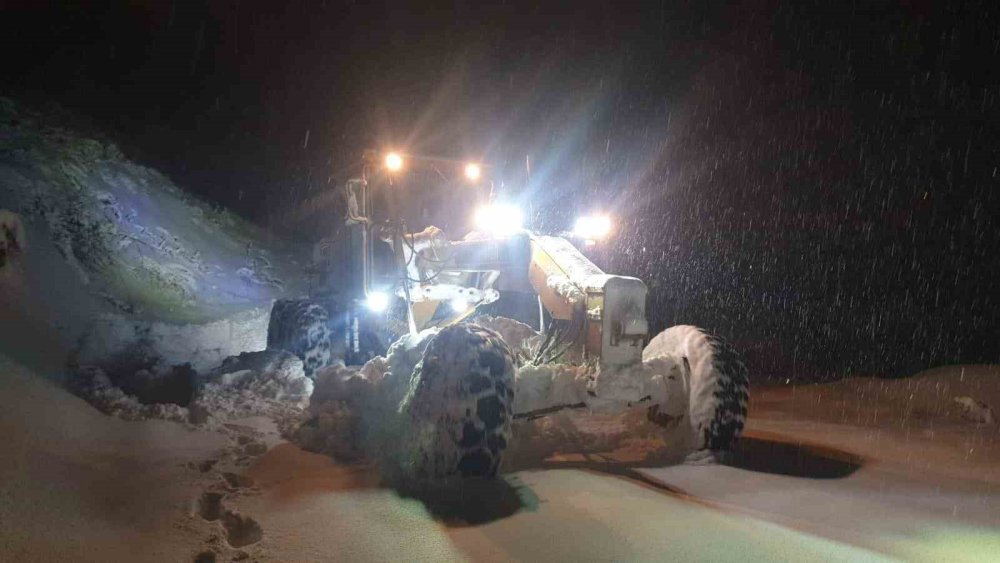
{"x": 394, "y": 162}
{"x": 593, "y": 227}
{"x": 377, "y": 301}
{"x": 499, "y": 219}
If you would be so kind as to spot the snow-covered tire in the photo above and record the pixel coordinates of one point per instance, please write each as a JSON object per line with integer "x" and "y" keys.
{"x": 719, "y": 384}
{"x": 459, "y": 405}
{"x": 301, "y": 327}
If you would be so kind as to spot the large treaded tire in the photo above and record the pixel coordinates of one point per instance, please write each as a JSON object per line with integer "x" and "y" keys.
{"x": 719, "y": 384}
{"x": 459, "y": 406}
{"x": 301, "y": 327}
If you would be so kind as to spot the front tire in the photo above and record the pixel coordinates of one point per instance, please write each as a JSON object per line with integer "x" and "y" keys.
{"x": 460, "y": 405}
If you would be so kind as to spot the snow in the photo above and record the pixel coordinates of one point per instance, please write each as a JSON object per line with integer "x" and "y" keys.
{"x": 203, "y": 345}
{"x": 565, "y": 288}
{"x": 519, "y": 336}
{"x": 121, "y": 258}
{"x": 269, "y": 383}
{"x": 336, "y": 410}
{"x": 976, "y": 411}
{"x": 577, "y": 268}
{"x": 93, "y": 385}
{"x": 375, "y": 369}
{"x": 566, "y": 255}
{"x": 825, "y": 472}
{"x": 853, "y": 470}
{"x": 694, "y": 345}
{"x": 541, "y": 387}
{"x": 270, "y": 374}
{"x": 658, "y": 381}
{"x": 889, "y": 465}
{"x": 912, "y": 420}
{"x": 643, "y": 406}
{"x": 353, "y": 412}
{"x": 81, "y": 486}
{"x": 402, "y": 357}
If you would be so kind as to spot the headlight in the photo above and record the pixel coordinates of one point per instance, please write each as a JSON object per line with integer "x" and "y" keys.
{"x": 593, "y": 227}
{"x": 377, "y": 301}
{"x": 472, "y": 171}
{"x": 394, "y": 162}
{"x": 499, "y": 219}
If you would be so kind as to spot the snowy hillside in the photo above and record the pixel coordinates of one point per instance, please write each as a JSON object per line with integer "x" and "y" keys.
{"x": 117, "y": 254}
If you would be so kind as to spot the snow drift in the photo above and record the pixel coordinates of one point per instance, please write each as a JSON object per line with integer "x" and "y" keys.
{"x": 558, "y": 408}
{"x": 121, "y": 258}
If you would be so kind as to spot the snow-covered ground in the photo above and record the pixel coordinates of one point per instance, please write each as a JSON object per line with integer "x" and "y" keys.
{"x": 77, "y": 485}
{"x": 826, "y": 472}
{"x": 118, "y": 261}
{"x": 894, "y": 466}
{"x": 118, "y": 258}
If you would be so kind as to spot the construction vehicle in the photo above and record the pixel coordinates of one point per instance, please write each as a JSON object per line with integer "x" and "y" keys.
{"x": 483, "y": 257}
{"x": 429, "y": 243}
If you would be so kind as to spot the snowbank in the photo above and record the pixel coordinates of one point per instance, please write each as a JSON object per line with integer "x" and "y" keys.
{"x": 957, "y": 397}
{"x": 567, "y": 409}
{"x": 913, "y": 422}
{"x": 270, "y": 383}
{"x": 537, "y": 388}
{"x": 121, "y": 257}
{"x": 336, "y": 414}
{"x": 353, "y": 413}
{"x": 520, "y": 337}
{"x": 81, "y": 486}
{"x": 402, "y": 357}
{"x": 358, "y": 412}
{"x": 93, "y": 385}
{"x": 203, "y": 345}
{"x": 270, "y": 374}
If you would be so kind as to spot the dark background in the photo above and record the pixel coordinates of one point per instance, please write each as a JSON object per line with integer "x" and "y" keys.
{"x": 816, "y": 181}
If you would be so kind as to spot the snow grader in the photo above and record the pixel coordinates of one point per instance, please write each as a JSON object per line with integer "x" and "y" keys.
{"x": 545, "y": 281}
{"x": 431, "y": 240}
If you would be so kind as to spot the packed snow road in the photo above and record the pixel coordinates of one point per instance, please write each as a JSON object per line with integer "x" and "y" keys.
{"x": 804, "y": 485}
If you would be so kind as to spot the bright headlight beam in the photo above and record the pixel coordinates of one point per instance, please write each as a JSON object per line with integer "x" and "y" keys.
{"x": 394, "y": 162}
{"x": 377, "y": 301}
{"x": 593, "y": 227}
{"x": 473, "y": 171}
{"x": 499, "y": 219}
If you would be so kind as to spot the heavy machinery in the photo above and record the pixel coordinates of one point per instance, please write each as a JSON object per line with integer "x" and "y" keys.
{"x": 432, "y": 241}
{"x": 397, "y": 254}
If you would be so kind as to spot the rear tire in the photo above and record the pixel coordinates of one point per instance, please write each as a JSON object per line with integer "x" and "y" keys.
{"x": 301, "y": 327}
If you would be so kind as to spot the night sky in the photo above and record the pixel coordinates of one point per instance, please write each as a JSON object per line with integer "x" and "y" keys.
{"x": 816, "y": 181}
